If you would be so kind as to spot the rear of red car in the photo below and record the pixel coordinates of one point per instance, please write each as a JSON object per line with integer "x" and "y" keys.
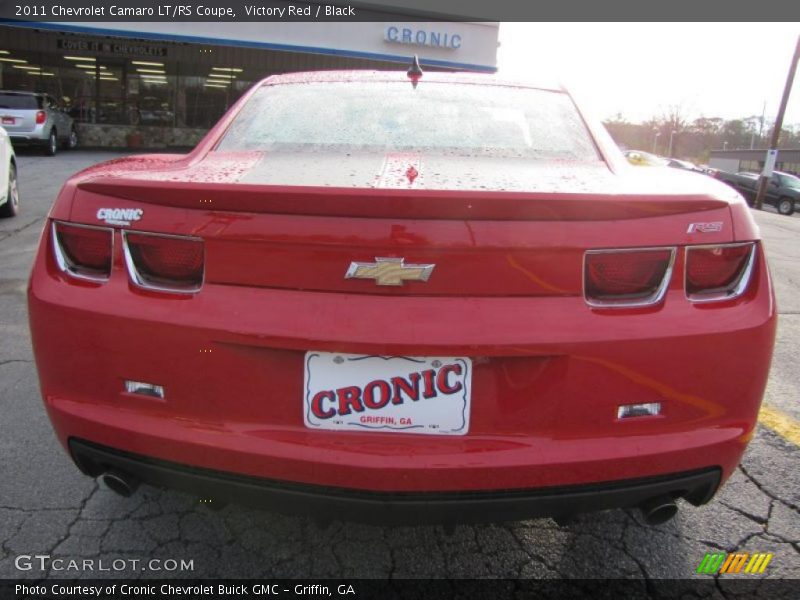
{"x": 367, "y": 316}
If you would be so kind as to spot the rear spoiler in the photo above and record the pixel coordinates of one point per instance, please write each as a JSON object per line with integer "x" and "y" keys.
{"x": 392, "y": 203}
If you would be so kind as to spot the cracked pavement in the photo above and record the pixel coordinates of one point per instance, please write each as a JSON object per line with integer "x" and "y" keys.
{"x": 47, "y": 507}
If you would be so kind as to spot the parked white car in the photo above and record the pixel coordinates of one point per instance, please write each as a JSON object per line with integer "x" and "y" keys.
{"x": 9, "y": 192}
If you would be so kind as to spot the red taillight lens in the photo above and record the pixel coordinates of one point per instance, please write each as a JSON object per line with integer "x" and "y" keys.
{"x": 717, "y": 272}
{"x": 41, "y": 117}
{"x": 626, "y": 277}
{"x": 161, "y": 262}
{"x": 83, "y": 251}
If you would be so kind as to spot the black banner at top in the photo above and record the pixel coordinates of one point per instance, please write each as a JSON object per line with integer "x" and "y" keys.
{"x": 229, "y": 11}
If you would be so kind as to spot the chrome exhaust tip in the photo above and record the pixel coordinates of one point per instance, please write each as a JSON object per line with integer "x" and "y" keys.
{"x": 658, "y": 510}
{"x": 120, "y": 483}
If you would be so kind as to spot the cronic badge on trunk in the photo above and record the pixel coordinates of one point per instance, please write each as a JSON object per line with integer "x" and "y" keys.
{"x": 119, "y": 216}
{"x": 389, "y": 271}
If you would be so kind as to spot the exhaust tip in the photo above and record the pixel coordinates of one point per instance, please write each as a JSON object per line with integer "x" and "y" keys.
{"x": 658, "y": 510}
{"x": 120, "y": 483}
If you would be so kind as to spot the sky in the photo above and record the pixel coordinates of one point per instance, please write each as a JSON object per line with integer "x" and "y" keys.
{"x": 640, "y": 70}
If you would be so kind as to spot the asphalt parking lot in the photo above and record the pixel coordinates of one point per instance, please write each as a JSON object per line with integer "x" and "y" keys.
{"x": 48, "y": 508}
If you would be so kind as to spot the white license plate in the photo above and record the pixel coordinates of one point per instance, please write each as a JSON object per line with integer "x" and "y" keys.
{"x": 391, "y": 394}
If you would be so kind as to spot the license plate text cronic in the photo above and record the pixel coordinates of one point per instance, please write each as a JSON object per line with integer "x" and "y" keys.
{"x": 397, "y": 394}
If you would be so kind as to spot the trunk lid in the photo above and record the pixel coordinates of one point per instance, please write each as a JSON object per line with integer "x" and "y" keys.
{"x": 263, "y": 230}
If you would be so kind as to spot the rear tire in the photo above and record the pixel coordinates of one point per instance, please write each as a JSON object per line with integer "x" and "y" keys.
{"x": 785, "y": 206}
{"x": 52, "y": 143}
{"x": 72, "y": 141}
{"x": 11, "y": 206}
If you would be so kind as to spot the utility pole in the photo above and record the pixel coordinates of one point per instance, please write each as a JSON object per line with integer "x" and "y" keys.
{"x": 769, "y": 161}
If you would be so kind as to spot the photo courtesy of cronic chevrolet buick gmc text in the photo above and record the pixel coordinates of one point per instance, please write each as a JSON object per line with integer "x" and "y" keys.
{"x": 390, "y": 296}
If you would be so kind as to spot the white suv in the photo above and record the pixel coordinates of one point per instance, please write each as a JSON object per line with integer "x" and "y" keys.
{"x": 37, "y": 119}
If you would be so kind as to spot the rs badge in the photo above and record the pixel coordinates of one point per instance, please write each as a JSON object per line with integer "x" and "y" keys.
{"x": 712, "y": 227}
{"x": 389, "y": 271}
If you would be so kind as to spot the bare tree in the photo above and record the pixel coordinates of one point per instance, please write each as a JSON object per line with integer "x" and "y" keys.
{"x": 674, "y": 123}
{"x": 675, "y": 118}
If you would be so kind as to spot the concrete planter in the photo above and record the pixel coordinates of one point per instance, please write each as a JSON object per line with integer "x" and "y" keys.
{"x": 137, "y": 137}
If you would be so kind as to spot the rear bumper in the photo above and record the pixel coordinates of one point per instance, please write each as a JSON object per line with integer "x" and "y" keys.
{"x": 548, "y": 377}
{"x": 31, "y": 138}
{"x": 38, "y": 135}
{"x": 395, "y": 508}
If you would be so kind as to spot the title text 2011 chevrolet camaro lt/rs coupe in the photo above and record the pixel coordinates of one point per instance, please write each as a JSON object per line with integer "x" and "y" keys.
{"x": 435, "y": 300}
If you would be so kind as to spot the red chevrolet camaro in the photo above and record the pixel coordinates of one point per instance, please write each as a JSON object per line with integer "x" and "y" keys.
{"x": 385, "y": 297}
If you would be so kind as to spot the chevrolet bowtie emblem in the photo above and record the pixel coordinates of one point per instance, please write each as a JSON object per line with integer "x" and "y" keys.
{"x": 389, "y": 271}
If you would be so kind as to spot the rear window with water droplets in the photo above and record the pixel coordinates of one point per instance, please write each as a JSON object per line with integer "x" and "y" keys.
{"x": 392, "y": 116}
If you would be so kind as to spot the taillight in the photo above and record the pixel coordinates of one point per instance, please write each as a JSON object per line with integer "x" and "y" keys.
{"x": 629, "y": 277}
{"x": 718, "y": 272}
{"x": 41, "y": 117}
{"x": 164, "y": 262}
{"x": 83, "y": 251}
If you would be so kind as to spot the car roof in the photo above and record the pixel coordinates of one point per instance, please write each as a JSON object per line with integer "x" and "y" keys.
{"x": 22, "y": 93}
{"x": 364, "y": 76}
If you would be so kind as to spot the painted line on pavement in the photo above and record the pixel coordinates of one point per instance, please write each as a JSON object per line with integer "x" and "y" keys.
{"x": 781, "y": 423}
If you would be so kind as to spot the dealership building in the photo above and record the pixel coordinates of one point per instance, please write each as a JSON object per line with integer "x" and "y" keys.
{"x": 161, "y": 85}
{"x": 733, "y": 161}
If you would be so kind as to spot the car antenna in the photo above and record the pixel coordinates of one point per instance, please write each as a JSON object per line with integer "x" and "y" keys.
{"x": 414, "y": 72}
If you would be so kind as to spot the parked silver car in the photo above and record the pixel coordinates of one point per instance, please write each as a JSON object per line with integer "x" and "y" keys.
{"x": 37, "y": 119}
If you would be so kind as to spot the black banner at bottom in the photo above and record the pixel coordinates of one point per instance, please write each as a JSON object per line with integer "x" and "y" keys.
{"x": 406, "y": 589}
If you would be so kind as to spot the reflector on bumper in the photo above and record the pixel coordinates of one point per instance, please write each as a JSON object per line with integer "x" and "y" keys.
{"x": 144, "y": 389}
